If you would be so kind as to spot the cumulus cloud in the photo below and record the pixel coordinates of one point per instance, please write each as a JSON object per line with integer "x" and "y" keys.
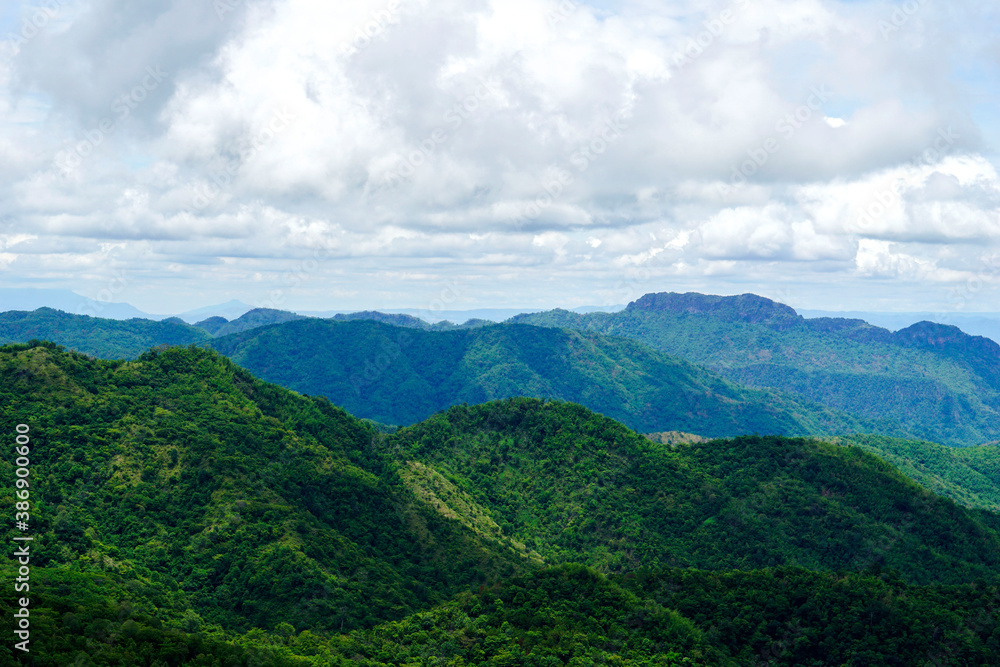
{"x": 652, "y": 145}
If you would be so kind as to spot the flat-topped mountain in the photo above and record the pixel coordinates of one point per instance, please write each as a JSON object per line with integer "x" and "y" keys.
{"x": 937, "y": 381}
{"x": 743, "y": 308}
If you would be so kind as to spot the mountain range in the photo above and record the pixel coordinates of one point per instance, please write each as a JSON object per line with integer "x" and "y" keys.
{"x": 188, "y": 513}
{"x": 937, "y": 382}
{"x": 980, "y": 324}
{"x": 928, "y": 381}
{"x": 400, "y": 375}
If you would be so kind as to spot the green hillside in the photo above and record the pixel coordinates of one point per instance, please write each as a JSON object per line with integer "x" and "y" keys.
{"x": 258, "y": 317}
{"x": 248, "y": 503}
{"x": 937, "y": 382}
{"x": 400, "y": 376}
{"x": 783, "y": 616}
{"x": 968, "y": 475}
{"x": 95, "y": 336}
{"x": 575, "y": 486}
{"x": 186, "y": 513}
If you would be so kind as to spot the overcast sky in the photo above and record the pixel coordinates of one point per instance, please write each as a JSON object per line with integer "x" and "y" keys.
{"x": 307, "y": 154}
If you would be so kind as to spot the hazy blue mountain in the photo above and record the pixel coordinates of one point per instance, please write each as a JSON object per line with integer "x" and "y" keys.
{"x": 29, "y": 298}
{"x": 976, "y": 324}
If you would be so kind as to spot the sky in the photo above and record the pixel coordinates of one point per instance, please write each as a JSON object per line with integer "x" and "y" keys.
{"x": 439, "y": 154}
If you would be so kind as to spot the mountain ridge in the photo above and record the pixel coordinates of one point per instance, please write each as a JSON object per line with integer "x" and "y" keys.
{"x": 200, "y": 516}
{"x": 939, "y": 382}
{"x": 398, "y": 376}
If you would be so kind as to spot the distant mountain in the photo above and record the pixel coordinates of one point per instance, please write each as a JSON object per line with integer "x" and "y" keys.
{"x": 939, "y": 382}
{"x": 212, "y": 324}
{"x": 977, "y": 324}
{"x": 230, "y": 310}
{"x": 115, "y": 339}
{"x": 27, "y": 299}
{"x": 258, "y": 317}
{"x": 432, "y": 315}
{"x": 360, "y": 364}
{"x": 927, "y": 381}
{"x": 191, "y": 514}
{"x": 457, "y": 317}
{"x": 399, "y": 376}
{"x": 99, "y": 337}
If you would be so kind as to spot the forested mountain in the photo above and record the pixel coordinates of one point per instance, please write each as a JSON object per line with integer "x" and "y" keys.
{"x": 928, "y": 381}
{"x": 110, "y": 339}
{"x": 938, "y": 382}
{"x": 264, "y": 505}
{"x": 781, "y": 616}
{"x": 127, "y": 339}
{"x": 400, "y": 376}
{"x": 258, "y": 317}
{"x": 186, "y": 513}
{"x": 968, "y": 475}
{"x": 568, "y": 483}
{"x": 404, "y": 320}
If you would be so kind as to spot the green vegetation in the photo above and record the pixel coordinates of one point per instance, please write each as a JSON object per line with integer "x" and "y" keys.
{"x": 793, "y": 617}
{"x": 937, "y": 382}
{"x": 968, "y": 475}
{"x": 258, "y": 317}
{"x": 575, "y": 486}
{"x": 108, "y": 339}
{"x": 810, "y": 377}
{"x": 400, "y": 376}
{"x": 260, "y": 505}
{"x": 187, "y": 513}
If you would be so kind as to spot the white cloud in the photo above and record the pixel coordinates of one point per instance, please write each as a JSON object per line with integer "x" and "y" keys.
{"x": 500, "y": 141}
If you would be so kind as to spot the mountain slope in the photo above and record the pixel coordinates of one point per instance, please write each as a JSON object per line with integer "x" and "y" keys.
{"x": 258, "y": 317}
{"x": 260, "y": 505}
{"x": 399, "y": 376}
{"x": 575, "y": 486}
{"x": 939, "y": 383}
{"x": 115, "y": 339}
{"x": 187, "y": 513}
{"x": 781, "y": 616}
{"x": 968, "y": 475}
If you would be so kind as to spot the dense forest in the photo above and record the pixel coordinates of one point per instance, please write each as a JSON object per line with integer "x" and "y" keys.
{"x": 399, "y": 376}
{"x": 188, "y": 513}
{"x": 968, "y": 475}
{"x": 105, "y": 338}
{"x": 939, "y": 383}
{"x": 787, "y": 374}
